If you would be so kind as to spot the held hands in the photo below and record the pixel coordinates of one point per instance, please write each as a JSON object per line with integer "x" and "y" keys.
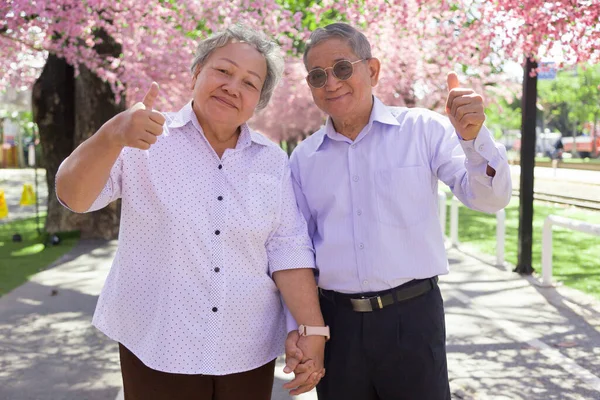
{"x": 464, "y": 108}
{"x": 139, "y": 126}
{"x": 304, "y": 356}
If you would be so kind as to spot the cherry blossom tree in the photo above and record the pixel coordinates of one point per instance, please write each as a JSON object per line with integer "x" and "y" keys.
{"x": 157, "y": 38}
{"x": 98, "y": 55}
{"x": 112, "y": 50}
{"x": 419, "y": 41}
{"x": 291, "y": 114}
{"x": 417, "y": 46}
{"x": 532, "y": 30}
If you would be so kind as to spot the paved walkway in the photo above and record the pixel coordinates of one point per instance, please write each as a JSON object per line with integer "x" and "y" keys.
{"x": 507, "y": 337}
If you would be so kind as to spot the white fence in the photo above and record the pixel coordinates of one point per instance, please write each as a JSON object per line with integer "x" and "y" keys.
{"x": 500, "y": 225}
{"x": 551, "y": 221}
{"x": 554, "y": 220}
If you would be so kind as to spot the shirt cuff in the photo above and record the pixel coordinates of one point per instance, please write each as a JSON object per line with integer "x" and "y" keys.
{"x": 482, "y": 149}
{"x": 291, "y": 258}
{"x": 484, "y": 144}
{"x": 481, "y": 152}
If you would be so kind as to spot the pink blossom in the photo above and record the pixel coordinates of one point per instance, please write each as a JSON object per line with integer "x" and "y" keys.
{"x": 417, "y": 41}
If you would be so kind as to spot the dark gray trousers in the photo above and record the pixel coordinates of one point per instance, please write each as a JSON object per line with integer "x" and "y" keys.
{"x": 395, "y": 353}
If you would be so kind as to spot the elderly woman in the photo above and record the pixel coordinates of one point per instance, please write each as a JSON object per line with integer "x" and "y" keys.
{"x": 211, "y": 237}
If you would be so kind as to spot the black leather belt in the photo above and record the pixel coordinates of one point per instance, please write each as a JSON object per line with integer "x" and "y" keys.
{"x": 377, "y": 301}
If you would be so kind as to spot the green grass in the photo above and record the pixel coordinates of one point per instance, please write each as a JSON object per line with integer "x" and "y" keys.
{"x": 576, "y": 256}
{"x": 20, "y": 260}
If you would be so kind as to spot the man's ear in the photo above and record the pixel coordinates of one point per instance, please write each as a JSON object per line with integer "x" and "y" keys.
{"x": 374, "y": 68}
{"x": 195, "y": 77}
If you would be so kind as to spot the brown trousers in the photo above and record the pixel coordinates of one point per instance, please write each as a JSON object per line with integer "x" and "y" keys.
{"x": 143, "y": 383}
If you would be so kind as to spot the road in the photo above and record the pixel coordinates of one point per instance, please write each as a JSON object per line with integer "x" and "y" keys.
{"x": 565, "y": 182}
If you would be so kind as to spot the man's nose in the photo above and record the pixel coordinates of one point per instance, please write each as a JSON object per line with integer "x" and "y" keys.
{"x": 332, "y": 82}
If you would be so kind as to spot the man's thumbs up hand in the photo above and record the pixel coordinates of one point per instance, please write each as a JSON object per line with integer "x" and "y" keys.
{"x": 464, "y": 108}
{"x": 139, "y": 126}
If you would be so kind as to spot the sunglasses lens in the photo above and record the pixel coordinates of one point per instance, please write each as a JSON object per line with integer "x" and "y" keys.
{"x": 343, "y": 70}
{"x": 317, "y": 78}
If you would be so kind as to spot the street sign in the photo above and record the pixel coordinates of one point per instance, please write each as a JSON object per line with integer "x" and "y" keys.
{"x": 547, "y": 71}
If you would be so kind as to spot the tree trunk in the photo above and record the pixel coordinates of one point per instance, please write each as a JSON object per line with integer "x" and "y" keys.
{"x": 528, "y": 141}
{"x": 53, "y": 111}
{"x": 69, "y": 110}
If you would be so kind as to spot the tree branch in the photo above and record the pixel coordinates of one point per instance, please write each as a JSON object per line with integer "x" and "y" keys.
{"x": 31, "y": 46}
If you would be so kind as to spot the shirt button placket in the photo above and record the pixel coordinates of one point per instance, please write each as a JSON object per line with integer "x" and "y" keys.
{"x": 354, "y": 169}
{"x": 217, "y": 273}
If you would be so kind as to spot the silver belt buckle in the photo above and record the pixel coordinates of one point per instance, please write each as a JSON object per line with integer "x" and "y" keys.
{"x": 361, "y": 305}
{"x": 364, "y": 304}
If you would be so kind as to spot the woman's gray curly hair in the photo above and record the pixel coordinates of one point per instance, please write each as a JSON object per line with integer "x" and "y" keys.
{"x": 268, "y": 48}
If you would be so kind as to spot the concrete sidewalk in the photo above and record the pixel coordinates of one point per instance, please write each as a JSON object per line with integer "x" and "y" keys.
{"x": 507, "y": 337}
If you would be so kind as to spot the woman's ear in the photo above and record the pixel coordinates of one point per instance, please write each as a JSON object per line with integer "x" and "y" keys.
{"x": 195, "y": 77}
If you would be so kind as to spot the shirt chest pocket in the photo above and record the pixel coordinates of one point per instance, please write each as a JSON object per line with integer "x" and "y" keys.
{"x": 404, "y": 196}
{"x": 262, "y": 197}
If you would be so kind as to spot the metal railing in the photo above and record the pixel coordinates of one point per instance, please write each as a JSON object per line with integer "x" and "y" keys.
{"x": 549, "y": 223}
{"x": 442, "y": 210}
{"x": 554, "y": 220}
{"x": 500, "y": 225}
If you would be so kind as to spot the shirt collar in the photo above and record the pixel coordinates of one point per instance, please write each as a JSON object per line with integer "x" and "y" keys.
{"x": 187, "y": 115}
{"x": 380, "y": 113}
{"x": 182, "y": 117}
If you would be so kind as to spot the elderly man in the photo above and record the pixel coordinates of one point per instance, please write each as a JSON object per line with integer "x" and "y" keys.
{"x": 366, "y": 183}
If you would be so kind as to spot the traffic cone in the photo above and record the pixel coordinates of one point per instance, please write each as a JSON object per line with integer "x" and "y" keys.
{"x": 3, "y": 206}
{"x": 28, "y": 196}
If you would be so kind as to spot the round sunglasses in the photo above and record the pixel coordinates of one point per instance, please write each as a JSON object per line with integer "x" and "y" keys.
{"x": 342, "y": 70}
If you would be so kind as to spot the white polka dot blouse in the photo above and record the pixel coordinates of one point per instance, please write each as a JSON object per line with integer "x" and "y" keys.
{"x": 190, "y": 289}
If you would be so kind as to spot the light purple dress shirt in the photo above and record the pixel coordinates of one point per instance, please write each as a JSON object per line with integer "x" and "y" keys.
{"x": 371, "y": 203}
